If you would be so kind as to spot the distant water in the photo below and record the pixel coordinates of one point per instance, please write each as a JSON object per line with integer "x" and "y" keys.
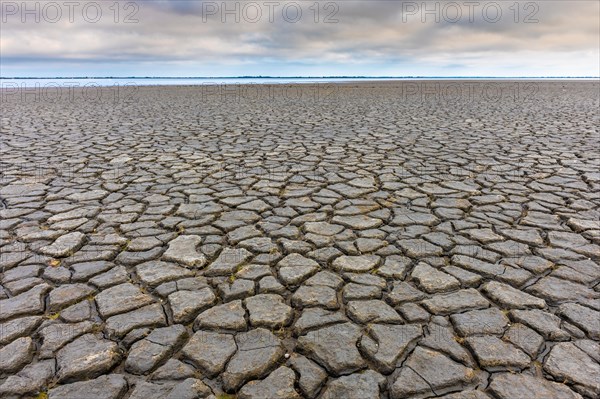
{"x": 7, "y": 83}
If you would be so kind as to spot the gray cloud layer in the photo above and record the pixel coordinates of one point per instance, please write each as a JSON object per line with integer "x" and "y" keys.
{"x": 374, "y": 36}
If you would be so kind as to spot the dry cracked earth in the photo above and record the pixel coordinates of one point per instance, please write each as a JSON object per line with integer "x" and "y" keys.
{"x": 361, "y": 243}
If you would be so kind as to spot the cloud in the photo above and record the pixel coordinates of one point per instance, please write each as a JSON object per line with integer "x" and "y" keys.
{"x": 190, "y": 37}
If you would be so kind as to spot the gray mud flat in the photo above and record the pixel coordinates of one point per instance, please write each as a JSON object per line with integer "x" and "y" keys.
{"x": 363, "y": 240}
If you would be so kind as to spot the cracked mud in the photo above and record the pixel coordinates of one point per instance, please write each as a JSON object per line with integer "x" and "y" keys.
{"x": 365, "y": 245}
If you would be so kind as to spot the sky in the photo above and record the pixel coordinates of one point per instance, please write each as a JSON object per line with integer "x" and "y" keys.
{"x": 299, "y": 38}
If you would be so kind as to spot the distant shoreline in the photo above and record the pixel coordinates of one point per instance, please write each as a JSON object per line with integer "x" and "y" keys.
{"x": 297, "y": 77}
{"x": 47, "y": 86}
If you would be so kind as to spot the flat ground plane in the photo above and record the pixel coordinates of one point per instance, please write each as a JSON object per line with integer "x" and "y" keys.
{"x": 364, "y": 240}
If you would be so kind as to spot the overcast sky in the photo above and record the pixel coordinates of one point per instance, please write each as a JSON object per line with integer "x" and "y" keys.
{"x": 371, "y": 38}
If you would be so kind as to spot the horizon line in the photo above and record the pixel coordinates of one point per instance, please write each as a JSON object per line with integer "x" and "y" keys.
{"x": 302, "y": 77}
